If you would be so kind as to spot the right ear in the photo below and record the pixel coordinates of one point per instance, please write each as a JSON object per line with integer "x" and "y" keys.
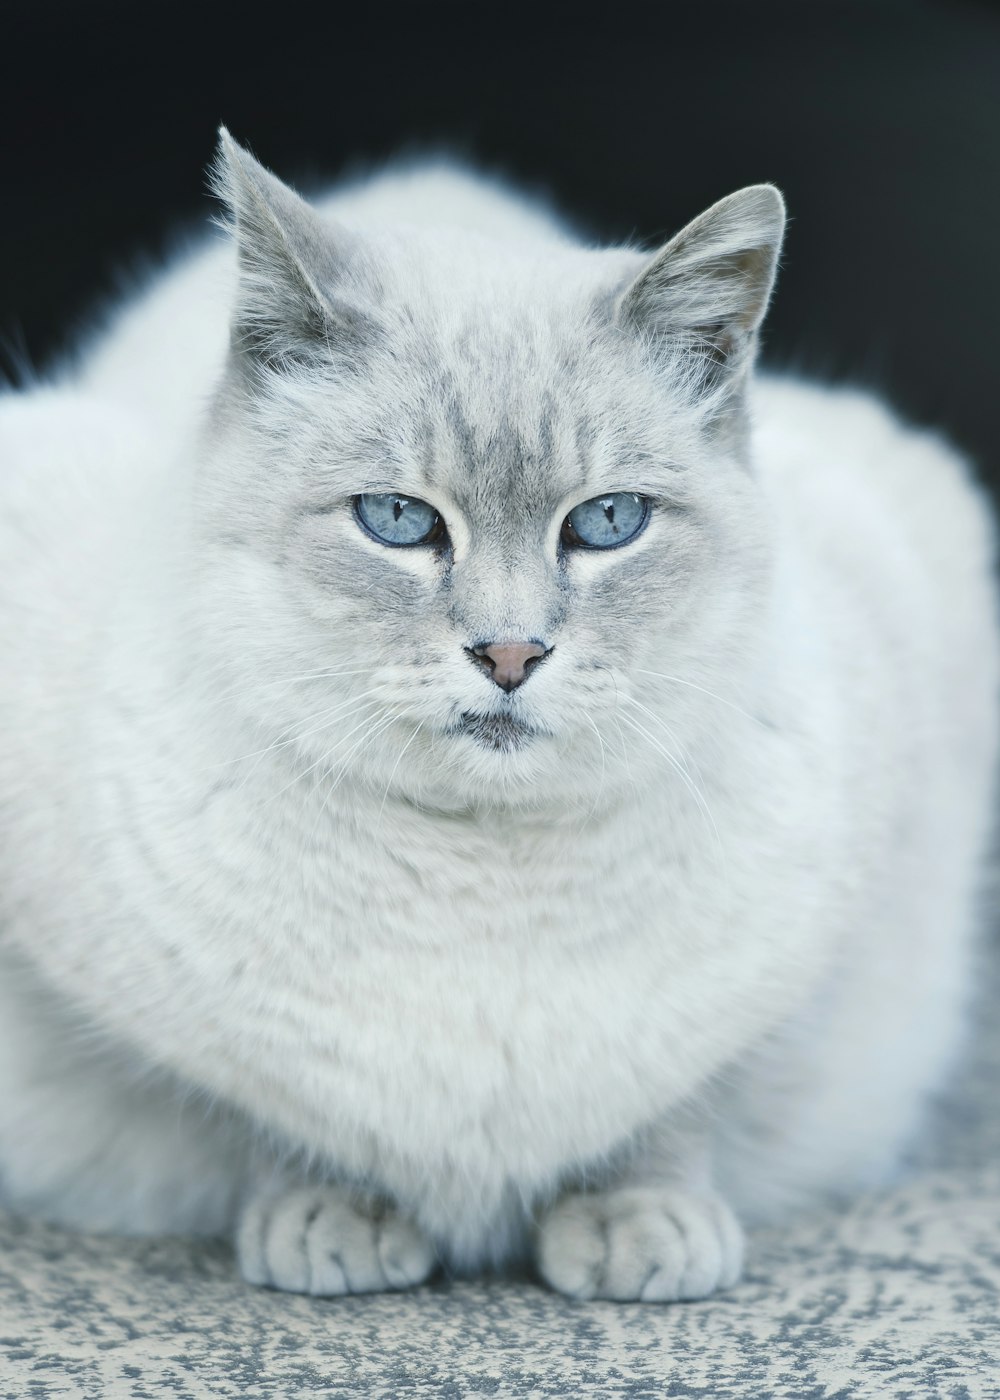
{"x": 709, "y": 287}
{"x": 290, "y": 262}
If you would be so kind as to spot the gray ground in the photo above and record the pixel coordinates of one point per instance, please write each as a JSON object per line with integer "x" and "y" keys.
{"x": 896, "y": 1296}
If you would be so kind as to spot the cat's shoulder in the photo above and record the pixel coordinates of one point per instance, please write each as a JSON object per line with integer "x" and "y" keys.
{"x": 799, "y": 424}
{"x": 787, "y": 407}
{"x": 844, "y": 452}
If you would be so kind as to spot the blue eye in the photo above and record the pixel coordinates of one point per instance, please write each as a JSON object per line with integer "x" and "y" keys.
{"x": 399, "y": 520}
{"x": 606, "y": 521}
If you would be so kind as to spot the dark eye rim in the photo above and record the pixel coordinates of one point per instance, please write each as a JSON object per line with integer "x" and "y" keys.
{"x": 436, "y": 536}
{"x": 569, "y": 539}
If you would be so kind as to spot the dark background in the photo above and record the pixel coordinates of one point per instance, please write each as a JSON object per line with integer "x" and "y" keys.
{"x": 880, "y": 120}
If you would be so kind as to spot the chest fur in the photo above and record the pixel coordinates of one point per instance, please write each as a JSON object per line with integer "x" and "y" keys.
{"x": 507, "y": 996}
{"x": 495, "y": 998}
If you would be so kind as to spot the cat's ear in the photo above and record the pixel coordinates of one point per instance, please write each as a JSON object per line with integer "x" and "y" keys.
{"x": 289, "y": 258}
{"x": 708, "y": 288}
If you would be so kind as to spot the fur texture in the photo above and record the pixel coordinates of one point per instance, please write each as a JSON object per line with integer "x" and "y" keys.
{"x": 674, "y": 934}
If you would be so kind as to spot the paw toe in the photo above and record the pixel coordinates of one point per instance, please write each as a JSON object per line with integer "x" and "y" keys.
{"x": 323, "y": 1241}
{"x": 655, "y": 1244}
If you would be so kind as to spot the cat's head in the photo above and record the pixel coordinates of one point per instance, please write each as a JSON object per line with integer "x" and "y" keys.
{"x": 478, "y": 520}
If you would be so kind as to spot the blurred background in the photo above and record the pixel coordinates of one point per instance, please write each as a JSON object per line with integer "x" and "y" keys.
{"x": 879, "y": 119}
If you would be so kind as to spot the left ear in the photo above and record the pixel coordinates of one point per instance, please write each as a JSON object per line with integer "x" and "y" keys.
{"x": 292, "y": 301}
{"x": 709, "y": 287}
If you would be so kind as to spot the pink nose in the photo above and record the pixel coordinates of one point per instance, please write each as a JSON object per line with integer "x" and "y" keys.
{"x": 508, "y": 663}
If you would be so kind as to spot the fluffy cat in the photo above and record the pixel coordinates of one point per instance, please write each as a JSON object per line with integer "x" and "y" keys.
{"x": 481, "y": 774}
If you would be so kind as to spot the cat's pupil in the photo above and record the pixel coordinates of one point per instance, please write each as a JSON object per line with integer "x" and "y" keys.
{"x": 397, "y": 508}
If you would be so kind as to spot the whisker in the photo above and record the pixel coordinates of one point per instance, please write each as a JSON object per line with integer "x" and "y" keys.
{"x": 378, "y": 726}
{"x": 600, "y": 786}
{"x": 399, "y": 759}
{"x": 692, "y": 789}
{"x": 679, "y": 680}
{"x": 285, "y": 681}
{"x": 625, "y": 754}
{"x": 323, "y": 757}
{"x": 330, "y": 715}
{"x": 621, "y": 736}
{"x": 657, "y": 719}
{"x": 682, "y": 756}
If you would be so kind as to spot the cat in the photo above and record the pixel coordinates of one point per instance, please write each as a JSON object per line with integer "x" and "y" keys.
{"x": 485, "y": 775}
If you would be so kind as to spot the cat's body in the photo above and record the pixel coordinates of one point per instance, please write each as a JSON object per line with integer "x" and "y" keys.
{"x": 703, "y": 922}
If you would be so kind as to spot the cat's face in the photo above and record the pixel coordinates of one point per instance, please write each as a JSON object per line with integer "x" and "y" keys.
{"x": 473, "y": 509}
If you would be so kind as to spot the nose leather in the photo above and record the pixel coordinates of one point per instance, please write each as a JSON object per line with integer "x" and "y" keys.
{"x": 510, "y": 661}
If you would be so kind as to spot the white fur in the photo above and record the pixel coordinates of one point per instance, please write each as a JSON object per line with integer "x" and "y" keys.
{"x": 714, "y": 937}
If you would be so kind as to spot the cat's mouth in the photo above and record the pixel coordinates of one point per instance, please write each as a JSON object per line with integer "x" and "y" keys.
{"x": 501, "y": 733}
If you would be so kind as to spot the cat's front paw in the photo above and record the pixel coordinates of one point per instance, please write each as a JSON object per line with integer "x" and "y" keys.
{"x": 652, "y": 1244}
{"x": 326, "y": 1240}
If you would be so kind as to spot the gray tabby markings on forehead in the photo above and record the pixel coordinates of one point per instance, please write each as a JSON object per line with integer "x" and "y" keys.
{"x": 584, "y": 438}
{"x": 502, "y": 455}
{"x": 461, "y": 431}
{"x": 427, "y": 450}
{"x": 548, "y": 413}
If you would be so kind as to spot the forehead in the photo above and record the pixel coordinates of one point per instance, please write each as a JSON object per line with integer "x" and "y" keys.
{"x": 504, "y": 425}
{"x": 521, "y": 409}
{"x": 501, "y": 386}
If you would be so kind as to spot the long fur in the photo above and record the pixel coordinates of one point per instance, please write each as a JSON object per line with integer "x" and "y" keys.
{"x": 272, "y": 926}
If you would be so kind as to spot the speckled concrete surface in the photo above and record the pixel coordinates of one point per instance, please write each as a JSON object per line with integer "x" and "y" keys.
{"x": 897, "y": 1296}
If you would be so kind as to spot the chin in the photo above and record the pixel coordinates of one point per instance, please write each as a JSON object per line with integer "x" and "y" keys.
{"x": 502, "y": 734}
{"x": 478, "y": 763}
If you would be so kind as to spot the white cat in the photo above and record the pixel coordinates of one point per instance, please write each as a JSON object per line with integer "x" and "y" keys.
{"x": 478, "y": 772}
